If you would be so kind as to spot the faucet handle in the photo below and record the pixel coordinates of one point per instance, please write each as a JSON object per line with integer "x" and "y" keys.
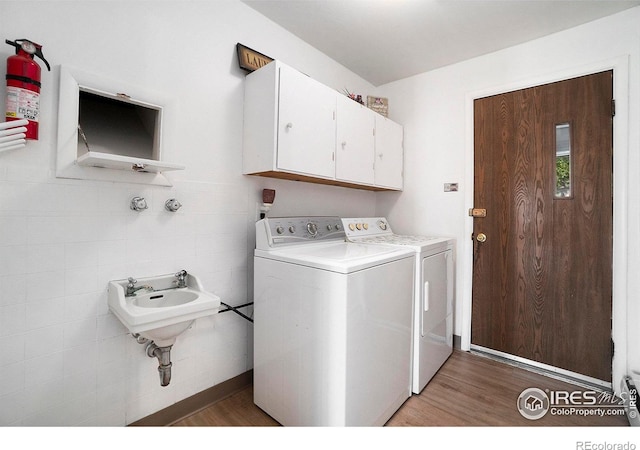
{"x": 181, "y": 276}
{"x": 172, "y": 205}
{"x": 138, "y": 203}
{"x": 132, "y": 281}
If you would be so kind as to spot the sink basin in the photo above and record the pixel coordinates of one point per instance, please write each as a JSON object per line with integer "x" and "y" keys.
{"x": 164, "y": 299}
{"x": 163, "y": 312}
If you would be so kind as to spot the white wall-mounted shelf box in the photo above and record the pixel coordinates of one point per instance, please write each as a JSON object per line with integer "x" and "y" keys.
{"x": 110, "y": 131}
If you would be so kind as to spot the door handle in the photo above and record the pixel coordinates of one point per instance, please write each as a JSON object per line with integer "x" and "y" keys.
{"x": 481, "y": 237}
{"x": 425, "y": 297}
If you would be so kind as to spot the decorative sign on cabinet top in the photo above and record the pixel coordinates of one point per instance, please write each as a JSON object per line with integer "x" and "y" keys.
{"x": 249, "y": 59}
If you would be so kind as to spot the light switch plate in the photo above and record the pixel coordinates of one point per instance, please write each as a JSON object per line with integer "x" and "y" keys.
{"x": 451, "y": 187}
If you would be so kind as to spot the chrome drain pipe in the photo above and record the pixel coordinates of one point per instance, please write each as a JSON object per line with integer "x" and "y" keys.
{"x": 164, "y": 358}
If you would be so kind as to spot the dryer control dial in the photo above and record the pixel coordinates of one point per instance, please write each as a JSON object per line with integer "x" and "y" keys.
{"x": 312, "y": 228}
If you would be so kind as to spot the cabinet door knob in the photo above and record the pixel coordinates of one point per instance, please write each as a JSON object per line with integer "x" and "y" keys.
{"x": 289, "y": 126}
{"x": 344, "y": 144}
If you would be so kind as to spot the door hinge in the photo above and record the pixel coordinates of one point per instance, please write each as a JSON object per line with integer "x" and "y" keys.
{"x": 613, "y": 107}
{"x": 613, "y": 348}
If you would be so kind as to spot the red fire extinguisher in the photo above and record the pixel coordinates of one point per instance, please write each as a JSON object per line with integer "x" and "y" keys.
{"x": 23, "y": 84}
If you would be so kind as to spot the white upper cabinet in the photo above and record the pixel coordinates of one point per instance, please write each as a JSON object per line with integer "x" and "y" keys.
{"x": 388, "y": 154}
{"x": 298, "y": 129}
{"x": 355, "y": 143}
{"x": 306, "y": 125}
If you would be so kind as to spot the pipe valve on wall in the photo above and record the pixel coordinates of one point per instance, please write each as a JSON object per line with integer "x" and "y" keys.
{"x": 23, "y": 84}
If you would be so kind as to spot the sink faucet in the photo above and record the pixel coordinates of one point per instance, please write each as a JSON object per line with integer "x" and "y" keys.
{"x": 132, "y": 288}
{"x": 182, "y": 279}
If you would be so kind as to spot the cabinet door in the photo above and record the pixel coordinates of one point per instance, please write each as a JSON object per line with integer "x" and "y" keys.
{"x": 306, "y": 125}
{"x": 355, "y": 143}
{"x": 389, "y": 153}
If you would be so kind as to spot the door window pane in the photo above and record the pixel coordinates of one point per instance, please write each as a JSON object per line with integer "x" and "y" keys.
{"x": 563, "y": 161}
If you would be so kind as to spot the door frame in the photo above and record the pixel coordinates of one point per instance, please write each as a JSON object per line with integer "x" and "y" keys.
{"x": 620, "y": 67}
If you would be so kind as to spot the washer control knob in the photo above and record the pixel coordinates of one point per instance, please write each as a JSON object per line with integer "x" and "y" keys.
{"x": 292, "y": 229}
{"x": 329, "y": 227}
{"x": 338, "y": 227}
{"x": 312, "y": 228}
{"x": 279, "y": 230}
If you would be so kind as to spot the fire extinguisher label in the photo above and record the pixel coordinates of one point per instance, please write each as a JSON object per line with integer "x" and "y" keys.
{"x": 22, "y": 103}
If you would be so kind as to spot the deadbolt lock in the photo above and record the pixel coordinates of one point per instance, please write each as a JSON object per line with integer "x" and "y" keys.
{"x": 481, "y": 237}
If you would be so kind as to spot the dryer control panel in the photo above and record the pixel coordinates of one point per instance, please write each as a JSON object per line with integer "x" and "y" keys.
{"x": 358, "y": 227}
{"x": 274, "y": 232}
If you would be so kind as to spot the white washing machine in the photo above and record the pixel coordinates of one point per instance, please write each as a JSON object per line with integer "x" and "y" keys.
{"x": 433, "y": 304}
{"x": 332, "y": 324}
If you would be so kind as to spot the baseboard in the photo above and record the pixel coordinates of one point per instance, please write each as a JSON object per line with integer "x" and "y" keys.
{"x": 195, "y": 403}
{"x": 457, "y": 342}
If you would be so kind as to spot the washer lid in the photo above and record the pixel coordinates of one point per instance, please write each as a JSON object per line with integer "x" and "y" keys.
{"x": 341, "y": 257}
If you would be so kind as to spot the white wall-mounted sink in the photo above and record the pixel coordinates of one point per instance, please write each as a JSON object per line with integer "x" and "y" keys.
{"x": 164, "y": 311}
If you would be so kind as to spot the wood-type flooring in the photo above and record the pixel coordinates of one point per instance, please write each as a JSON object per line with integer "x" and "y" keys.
{"x": 469, "y": 390}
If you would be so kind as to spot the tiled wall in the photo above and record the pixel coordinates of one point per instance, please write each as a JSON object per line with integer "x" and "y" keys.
{"x": 64, "y": 358}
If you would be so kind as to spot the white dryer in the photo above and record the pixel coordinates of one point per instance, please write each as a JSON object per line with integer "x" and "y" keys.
{"x": 332, "y": 324}
{"x": 433, "y": 304}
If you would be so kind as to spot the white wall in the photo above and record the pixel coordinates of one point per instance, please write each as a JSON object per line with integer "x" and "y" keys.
{"x": 436, "y": 110}
{"x": 64, "y": 358}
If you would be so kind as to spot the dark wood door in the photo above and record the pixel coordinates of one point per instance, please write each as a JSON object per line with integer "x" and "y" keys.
{"x": 542, "y": 278}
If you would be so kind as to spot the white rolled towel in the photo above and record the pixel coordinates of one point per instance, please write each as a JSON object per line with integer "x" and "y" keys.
{"x": 12, "y": 134}
{"x": 12, "y": 145}
{"x": 14, "y": 124}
